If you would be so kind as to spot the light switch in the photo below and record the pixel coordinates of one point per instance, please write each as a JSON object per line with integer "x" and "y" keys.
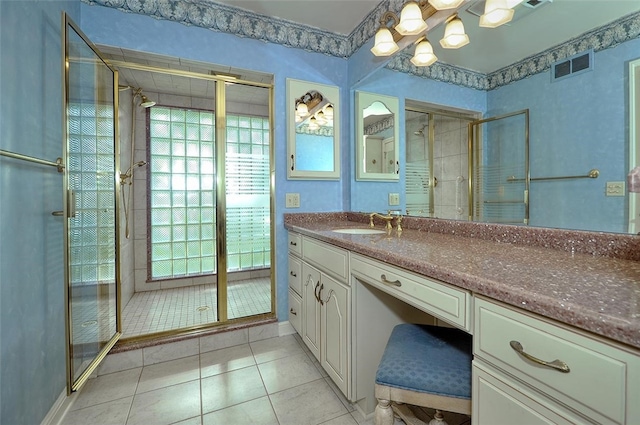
{"x": 292, "y": 200}
{"x": 615, "y": 189}
{"x": 394, "y": 199}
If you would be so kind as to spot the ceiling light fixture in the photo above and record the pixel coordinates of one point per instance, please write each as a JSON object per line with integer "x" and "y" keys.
{"x": 496, "y": 13}
{"x": 454, "y": 35}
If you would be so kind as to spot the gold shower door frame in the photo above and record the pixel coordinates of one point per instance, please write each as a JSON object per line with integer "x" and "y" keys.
{"x": 82, "y": 314}
{"x": 475, "y": 142}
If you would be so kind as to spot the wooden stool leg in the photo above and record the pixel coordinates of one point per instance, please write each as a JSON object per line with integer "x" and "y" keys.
{"x": 438, "y": 419}
{"x": 383, "y": 413}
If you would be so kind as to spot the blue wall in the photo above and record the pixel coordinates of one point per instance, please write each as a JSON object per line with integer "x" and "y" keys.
{"x": 576, "y": 124}
{"x": 32, "y": 307}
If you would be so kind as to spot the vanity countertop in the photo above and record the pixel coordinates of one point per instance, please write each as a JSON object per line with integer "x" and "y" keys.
{"x": 594, "y": 292}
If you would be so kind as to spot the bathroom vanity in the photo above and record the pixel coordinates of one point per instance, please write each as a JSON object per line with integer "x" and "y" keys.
{"x": 556, "y": 331}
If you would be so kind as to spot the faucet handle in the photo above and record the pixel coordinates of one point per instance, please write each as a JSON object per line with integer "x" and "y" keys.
{"x": 398, "y": 224}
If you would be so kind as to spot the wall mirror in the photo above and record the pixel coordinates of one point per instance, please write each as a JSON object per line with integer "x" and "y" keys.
{"x": 313, "y": 131}
{"x": 377, "y": 137}
{"x": 577, "y": 123}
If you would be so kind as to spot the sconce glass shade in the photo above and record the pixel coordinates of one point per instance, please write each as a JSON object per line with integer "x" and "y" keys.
{"x": 313, "y": 123}
{"x": 384, "y": 44}
{"x": 411, "y": 22}
{"x": 496, "y": 13}
{"x": 302, "y": 109}
{"x": 445, "y": 4}
{"x": 424, "y": 55}
{"x": 328, "y": 112}
{"x": 454, "y": 35}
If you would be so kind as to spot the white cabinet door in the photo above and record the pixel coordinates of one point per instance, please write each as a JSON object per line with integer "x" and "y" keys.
{"x": 311, "y": 308}
{"x": 334, "y": 329}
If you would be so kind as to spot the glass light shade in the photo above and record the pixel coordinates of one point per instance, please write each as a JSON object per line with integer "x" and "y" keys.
{"x": 423, "y": 55}
{"x": 313, "y": 123}
{"x": 384, "y": 44}
{"x": 320, "y": 118}
{"x": 411, "y": 22}
{"x": 328, "y": 111}
{"x": 454, "y": 35}
{"x": 496, "y": 13}
{"x": 445, "y": 4}
{"x": 302, "y": 109}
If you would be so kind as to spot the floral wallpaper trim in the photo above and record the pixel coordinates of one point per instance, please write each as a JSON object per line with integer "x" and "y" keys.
{"x": 379, "y": 126}
{"x": 240, "y": 22}
{"x": 218, "y": 17}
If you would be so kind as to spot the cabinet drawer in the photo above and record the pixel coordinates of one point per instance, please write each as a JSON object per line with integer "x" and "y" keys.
{"x": 497, "y": 399}
{"x": 439, "y": 299}
{"x": 295, "y": 274}
{"x": 598, "y": 376}
{"x": 295, "y": 311}
{"x": 331, "y": 260}
{"x": 295, "y": 243}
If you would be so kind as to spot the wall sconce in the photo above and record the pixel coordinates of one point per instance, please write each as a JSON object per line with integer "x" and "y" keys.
{"x": 496, "y": 13}
{"x": 454, "y": 35}
{"x": 312, "y": 106}
{"x": 411, "y": 21}
{"x": 423, "y": 55}
{"x": 384, "y": 44}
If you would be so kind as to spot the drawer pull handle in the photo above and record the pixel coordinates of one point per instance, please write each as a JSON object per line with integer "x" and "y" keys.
{"x": 556, "y": 364}
{"x": 292, "y": 311}
{"x": 388, "y": 282}
{"x": 293, "y": 243}
{"x": 293, "y": 274}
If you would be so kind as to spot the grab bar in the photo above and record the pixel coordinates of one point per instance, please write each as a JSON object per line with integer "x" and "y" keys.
{"x": 58, "y": 164}
{"x": 593, "y": 174}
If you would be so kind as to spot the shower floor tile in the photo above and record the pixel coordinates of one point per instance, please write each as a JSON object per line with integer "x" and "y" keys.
{"x": 171, "y": 309}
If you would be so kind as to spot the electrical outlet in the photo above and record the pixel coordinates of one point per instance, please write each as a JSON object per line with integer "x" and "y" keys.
{"x": 292, "y": 200}
{"x": 394, "y": 199}
{"x": 615, "y": 189}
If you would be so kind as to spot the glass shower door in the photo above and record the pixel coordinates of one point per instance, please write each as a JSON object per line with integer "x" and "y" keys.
{"x": 499, "y": 191}
{"x": 91, "y": 206}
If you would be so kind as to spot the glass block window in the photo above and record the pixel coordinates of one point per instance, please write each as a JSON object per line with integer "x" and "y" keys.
{"x": 91, "y": 169}
{"x": 182, "y": 192}
{"x": 248, "y": 193}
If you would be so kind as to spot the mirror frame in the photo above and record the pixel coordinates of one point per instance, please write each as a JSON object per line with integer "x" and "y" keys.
{"x": 363, "y": 100}
{"x": 295, "y": 89}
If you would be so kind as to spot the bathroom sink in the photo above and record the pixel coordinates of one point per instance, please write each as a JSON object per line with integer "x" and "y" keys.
{"x": 359, "y": 231}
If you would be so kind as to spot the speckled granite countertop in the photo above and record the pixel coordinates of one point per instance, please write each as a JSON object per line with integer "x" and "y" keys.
{"x": 585, "y": 279}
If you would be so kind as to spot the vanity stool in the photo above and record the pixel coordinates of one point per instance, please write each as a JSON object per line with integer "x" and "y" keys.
{"x": 426, "y": 366}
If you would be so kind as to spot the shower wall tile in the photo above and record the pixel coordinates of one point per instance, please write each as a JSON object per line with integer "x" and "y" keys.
{"x": 171, "y": 351}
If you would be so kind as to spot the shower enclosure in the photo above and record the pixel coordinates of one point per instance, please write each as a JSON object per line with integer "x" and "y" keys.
{"x": 90, "y": 206}
{"x": 461, "y": 168}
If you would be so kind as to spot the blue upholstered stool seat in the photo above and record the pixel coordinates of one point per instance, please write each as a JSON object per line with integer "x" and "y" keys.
{"x": 428, "y": 359}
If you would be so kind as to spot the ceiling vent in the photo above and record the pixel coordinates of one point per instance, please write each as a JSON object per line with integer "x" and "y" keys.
{"x": 574, "y": 65}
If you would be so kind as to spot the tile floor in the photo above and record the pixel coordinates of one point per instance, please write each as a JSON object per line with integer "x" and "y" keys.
{"x": 274, "y": 381}
{"x": 170, "y": 309}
